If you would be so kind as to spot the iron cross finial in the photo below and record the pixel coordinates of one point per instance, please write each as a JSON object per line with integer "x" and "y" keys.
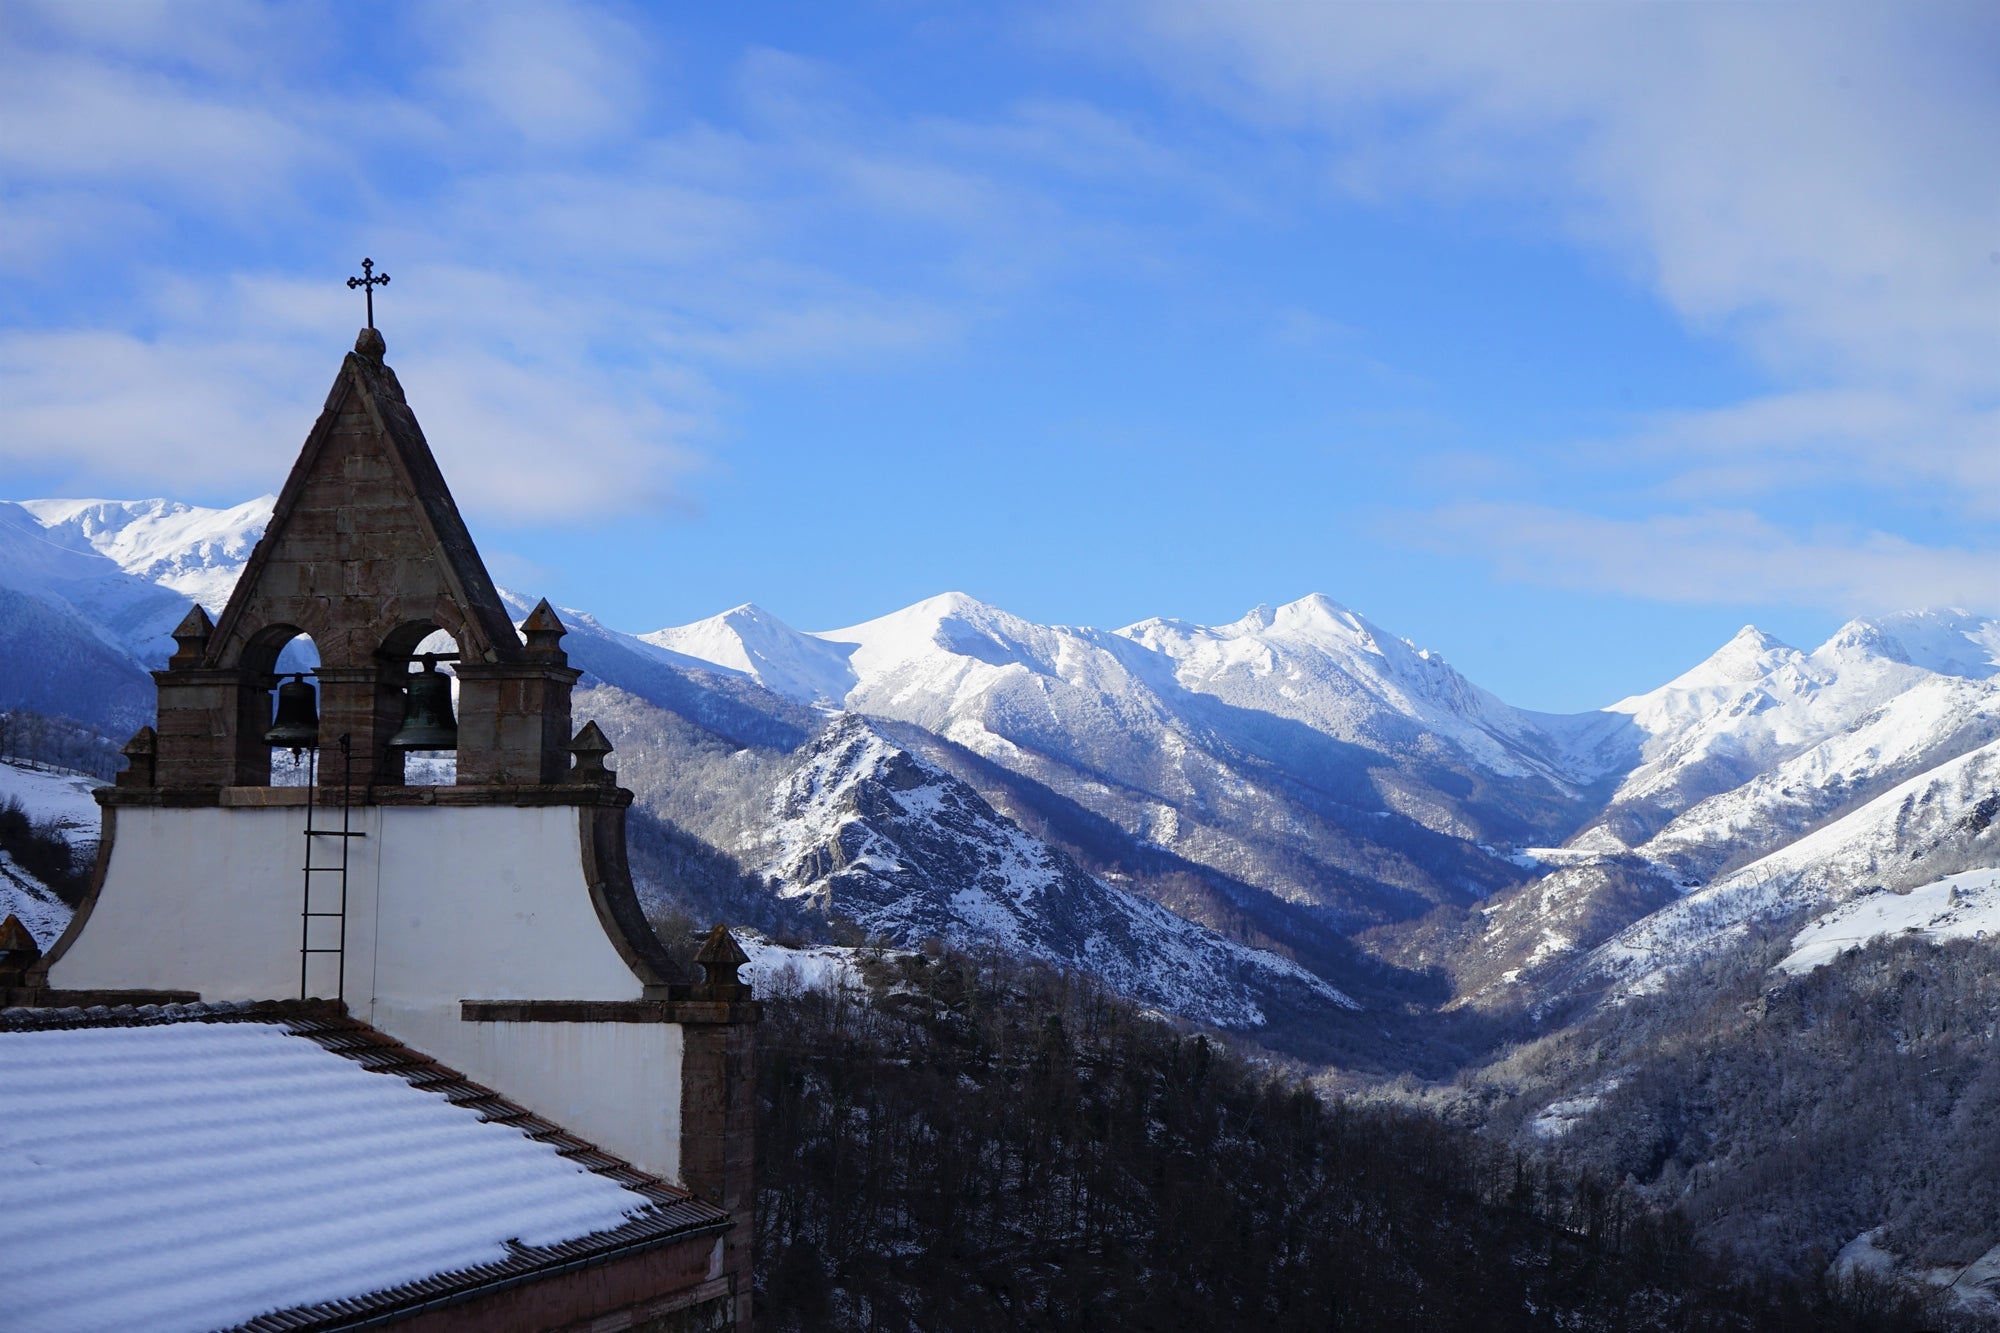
{"x": 368, "y": 282}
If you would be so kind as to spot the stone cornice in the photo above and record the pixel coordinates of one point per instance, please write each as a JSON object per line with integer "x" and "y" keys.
{"x": 688, "y": 1010}
{"x": 556, "y": 794}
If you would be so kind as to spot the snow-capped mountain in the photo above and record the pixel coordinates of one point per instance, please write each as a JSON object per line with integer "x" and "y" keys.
{"x": 124, "y": 613}
{"x": 1297, "y": 770}
{"x": 91, "y": 589}
{"x": 1298, "y": 749}
{"x": 1773, "y": 781}
{"x": 1758, "y": 703}
{"x": 899, "y": 847}
{"x": 752, "y": 641}
{"x": 1944, "y": 821}
{"x": 190, "y": 550}
{"x": 1313, "y": 661}
{"x": 1319, "y": 663}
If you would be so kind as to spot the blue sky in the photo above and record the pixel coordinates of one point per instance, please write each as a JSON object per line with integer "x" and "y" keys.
{"x": 1563, "y": 339}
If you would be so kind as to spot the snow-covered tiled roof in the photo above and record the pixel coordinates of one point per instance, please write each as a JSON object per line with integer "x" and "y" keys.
{"x": 197, "y": 1167}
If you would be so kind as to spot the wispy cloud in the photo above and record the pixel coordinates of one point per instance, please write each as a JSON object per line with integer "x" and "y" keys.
{"x": 1814, "y": 437}
{"x": 591, "y": 262}
{"x": 1815, "y": 180}
{"x": 1813, "y": 184}
{"x": 592, "y": 258}
{"x": 1713, "y": 557}
{"x": 551, "y": 74}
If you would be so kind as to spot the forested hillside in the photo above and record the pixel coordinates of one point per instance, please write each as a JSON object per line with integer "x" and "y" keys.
{"x": 1787, "y": 1115}
{"x": 971, "y": 1143}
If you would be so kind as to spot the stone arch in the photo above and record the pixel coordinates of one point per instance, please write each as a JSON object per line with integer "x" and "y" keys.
{"x": 256, "y": 686}
{"x": 400, "y": 642}
{"x": 259, "y": 655}
{"x": 400, "y": 648}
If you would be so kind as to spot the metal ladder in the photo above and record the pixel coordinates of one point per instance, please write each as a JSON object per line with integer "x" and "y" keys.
{"x": 345, "y": 833}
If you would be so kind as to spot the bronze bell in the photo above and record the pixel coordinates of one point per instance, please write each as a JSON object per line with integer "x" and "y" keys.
{"x": 427, "y": 720}
{"x": 296, "y": 726}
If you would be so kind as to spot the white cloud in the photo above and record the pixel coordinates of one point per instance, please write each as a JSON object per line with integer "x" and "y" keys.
{"x": 527, "y": 426}
{"x": 553, "y": 74}
{"x": 110, "y": 404}
{"x": 574, "y": 267}
{"x": 1714, "y": 558}
{"x": 1817, "y": 179}
{"x": 1887, "y": 441}
{"x": 1812, "y": 183}
{"x": 90, "y": 120}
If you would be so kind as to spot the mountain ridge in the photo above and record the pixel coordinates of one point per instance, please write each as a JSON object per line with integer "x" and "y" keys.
{"x": 1301, "y": 754}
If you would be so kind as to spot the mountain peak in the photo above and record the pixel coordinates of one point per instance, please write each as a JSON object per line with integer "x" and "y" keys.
{"x": 749, "y": 613}
{"x": 1950, "y": 641}
{"x": 1749, "y": 655}
{"x": 193, "y": 550}
{"x": 1317, "y": 611}
{"x": 751, "y": 641}
{"x": 950, "y": 605}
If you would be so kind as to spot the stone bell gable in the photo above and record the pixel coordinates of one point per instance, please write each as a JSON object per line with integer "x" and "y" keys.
{"x": 490, "y": 923}
{"x": 366, "y": 553}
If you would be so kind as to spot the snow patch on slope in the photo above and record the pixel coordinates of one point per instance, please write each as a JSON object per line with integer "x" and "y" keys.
{"x": 776, "y": 969}
{"x": 1962, "y": 906}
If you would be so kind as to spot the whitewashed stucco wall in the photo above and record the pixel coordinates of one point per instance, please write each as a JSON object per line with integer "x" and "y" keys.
{"x": 445, "y": 904}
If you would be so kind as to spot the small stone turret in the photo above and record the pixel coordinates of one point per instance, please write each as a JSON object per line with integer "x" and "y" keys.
{"x": 544, "y": 631}
{"x": 719, "y": 957}
{"x": 141, "y": 756}
{"x": 17, "y": 950}
{"x": 590, "y": 747}
{"x": 191, "y": 638}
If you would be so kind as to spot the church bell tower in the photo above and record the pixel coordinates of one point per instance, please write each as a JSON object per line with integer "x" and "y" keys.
{"x": 490, "y": 922}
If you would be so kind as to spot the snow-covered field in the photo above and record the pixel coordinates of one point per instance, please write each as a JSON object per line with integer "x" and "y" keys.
{"x": 31, "y": 902}
{"x": 53, "y": 794}
{"x": 47, "y": 796}
{"x": 1963, "y": 906}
